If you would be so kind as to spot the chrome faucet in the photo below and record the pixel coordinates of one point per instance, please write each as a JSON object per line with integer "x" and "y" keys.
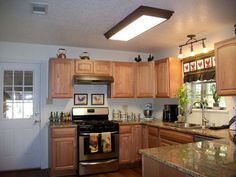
{"x": 204, "y": 120}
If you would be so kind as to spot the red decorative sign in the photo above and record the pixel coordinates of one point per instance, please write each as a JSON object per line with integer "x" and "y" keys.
{"x": 213, "y": 61}
{"x": 200, "y": 64}
{"x": 193, "y": 66}
{"x": 186, "y": 67}
{"x": 208, "y": 63}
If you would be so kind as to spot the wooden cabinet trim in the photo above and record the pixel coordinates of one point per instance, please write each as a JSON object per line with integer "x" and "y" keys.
{"x": 153, "y": 131}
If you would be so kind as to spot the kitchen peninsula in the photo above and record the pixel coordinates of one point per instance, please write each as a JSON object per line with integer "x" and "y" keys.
{"x": 199, "y": 159}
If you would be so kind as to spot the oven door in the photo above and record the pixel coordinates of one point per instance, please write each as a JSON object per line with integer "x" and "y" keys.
{"x": 86, "y": 154}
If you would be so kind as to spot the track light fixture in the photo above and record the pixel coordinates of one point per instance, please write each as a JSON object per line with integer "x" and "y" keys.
{"x": 190, "y": 42}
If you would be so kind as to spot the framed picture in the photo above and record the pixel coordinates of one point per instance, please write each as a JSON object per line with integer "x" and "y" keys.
{"x": 80, "y": 99}
{"x": 97, "y": 99}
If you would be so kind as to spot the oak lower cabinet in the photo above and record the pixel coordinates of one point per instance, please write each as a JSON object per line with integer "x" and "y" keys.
{"x": 171, "y": 137}
{"x": 153, "y": 168}
{"x": 62, "y": 151}
{"x": 225, "y": 55}
{"x": 60, "y": 82}
{"x": 87, "y": 67}
{"x": 124, "y": 84}
{"x": 125, "y": 144}
{"x": 145, "y": 81}
{"x": 153, "y": 137}
{"x": 168, "y": 73}
{"x": 130, "y": 141}
{"x": 137, "y": 142}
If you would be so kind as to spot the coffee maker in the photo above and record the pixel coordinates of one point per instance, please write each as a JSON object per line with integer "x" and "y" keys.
{"x": 170, "y": 112}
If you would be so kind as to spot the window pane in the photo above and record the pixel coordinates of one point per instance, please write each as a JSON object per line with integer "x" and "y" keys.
{"x": 7, "y": 110}
{"x": 28, "y": 95}
{"x": 18, "y": 78}
{"x": 7, "y": 93}
{"x": 18, "y": 93}
{"x": 28, "y": 109}
{"x": 28, "y": 78}
{"x": 8, "y": 77}
{"x": 18, "y": 110}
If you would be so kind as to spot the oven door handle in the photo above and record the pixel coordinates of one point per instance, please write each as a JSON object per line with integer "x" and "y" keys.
{"x": 86, "y": 134}
{"x": 98, "y": 162}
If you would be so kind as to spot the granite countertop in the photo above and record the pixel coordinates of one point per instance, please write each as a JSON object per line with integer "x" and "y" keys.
{"x": 200, "y": 159}
{"x": 61, "y": 124}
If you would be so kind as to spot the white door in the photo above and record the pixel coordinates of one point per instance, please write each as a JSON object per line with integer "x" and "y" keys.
{"x": 19, "y": 116}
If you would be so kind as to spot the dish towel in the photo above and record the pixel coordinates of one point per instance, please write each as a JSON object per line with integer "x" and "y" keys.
{"x": 106, "y": 142}
{"x": 93, "y": 142}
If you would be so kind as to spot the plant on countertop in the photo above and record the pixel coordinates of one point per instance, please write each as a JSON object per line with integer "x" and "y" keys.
{"x": 182, "y": 99}
{"x": 215, "y": 97}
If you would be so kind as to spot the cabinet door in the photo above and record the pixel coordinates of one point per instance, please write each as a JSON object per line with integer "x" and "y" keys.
{"x": 137, "y": 142}
{"x": 84, "y": 67}
{"x": 61, "y": 78}
{"x": 102, "y": 68}
{"x": 153, "y": 137}
{"x": 145, "y": 80}
{"x": 162, "y": 78}
{"x": 64, "y": 153}
{"x": 123, "y": 85}
{"x": 125, "y": 143}
{"x": 225, "y": 53}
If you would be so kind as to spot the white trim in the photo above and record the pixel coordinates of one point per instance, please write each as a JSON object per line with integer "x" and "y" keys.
{"x": 212, "y": 110}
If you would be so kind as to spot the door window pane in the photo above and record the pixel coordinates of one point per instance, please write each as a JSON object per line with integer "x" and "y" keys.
{"x": 18, "y": 78}
{"x": 28, "y": 78}
{"x": 18, "y": 94}
{"x": 8, "y": 77}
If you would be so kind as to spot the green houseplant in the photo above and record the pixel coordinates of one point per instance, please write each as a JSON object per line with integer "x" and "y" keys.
{"x": 182, "y": 100}
{"x": 215, "y": 97}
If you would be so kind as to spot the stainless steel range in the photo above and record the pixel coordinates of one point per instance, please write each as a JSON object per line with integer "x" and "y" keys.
{"x": 98, "y": 140}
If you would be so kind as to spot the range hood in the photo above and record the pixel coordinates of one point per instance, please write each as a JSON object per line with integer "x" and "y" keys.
{"x": 90, "y": 79}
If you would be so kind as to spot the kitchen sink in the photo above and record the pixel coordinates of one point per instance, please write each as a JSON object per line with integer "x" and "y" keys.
{"x": 184, "y": 125}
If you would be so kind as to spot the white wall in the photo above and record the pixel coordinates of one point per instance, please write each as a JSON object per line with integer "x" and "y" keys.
{"x": 215, "y": 117}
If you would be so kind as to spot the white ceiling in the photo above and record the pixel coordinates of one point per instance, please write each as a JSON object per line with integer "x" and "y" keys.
{"x": 82, "y": 23}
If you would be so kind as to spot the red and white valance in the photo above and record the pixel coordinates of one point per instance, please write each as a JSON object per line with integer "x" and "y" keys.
{"x": 199, "y": 68}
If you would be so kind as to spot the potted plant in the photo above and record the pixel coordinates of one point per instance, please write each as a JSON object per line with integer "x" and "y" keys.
{"x": 215, "y": 97}
{"x": 182, "y": 102}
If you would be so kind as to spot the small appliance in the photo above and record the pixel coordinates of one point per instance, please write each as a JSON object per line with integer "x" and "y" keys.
{"x": 170, "y": 112}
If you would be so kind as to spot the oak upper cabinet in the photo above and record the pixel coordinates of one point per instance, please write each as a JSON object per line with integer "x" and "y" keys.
{"x": 168, "y": 73}
{"x": 123, "y": 85}
{"x": 93, "y": 67}
{"x": 153, "y": 137}
{"x": 125, "y": 144}
{"x": 60, "y": 78}
{"x": 170, "y": 137}
{"x": 225, "y": 54}
{"x": 62, "y": 151}
{"x": 145, "y": 85}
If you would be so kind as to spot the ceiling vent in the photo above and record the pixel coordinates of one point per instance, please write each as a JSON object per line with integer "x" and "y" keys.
{"x": 39, "y": 8}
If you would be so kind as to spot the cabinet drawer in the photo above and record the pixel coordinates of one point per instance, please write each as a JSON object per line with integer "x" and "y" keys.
{"x": 125, "y": 129}
{"x": 175, "y": 136}
{"x": 165, "y": 142}
{"x": 63, "y": 132}
{"x": 153, "y": 131}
